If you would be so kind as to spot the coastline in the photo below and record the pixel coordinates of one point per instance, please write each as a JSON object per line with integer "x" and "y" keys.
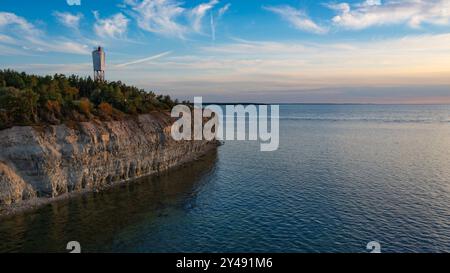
{"x": 25, "y": 206}
{"x": 39, "y": 165}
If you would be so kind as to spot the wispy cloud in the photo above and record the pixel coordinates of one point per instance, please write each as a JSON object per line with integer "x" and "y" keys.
{"x": 6, "y": 39}
{"x": 376, "y": 13}
{"x": 198, "y": 13}
{"x": 297, "y": 18}
{"x": 20, "y": 23}
{"x": 20, "y": 35}
{"x": 213, "y": 27}
{"x": 215, "y": 19}
{"x": 158, "y": 16}
{"x": 68, "y": 19}
{"x": 223, "y": 10}
{"x": 73, "y": 2}
{"x": 169, "y": 18}
{"x": 113, "y": 27}
{"x": 144, "y": 60}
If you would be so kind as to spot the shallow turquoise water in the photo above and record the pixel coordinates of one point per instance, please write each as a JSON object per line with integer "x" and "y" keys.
{"x": 344, "y": 175}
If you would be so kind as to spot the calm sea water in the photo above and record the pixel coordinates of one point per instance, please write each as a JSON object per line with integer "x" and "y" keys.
{"x": 344, "y": 175}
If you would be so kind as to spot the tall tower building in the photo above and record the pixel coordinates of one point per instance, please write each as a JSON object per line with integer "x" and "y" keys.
{"x": 98, "y": 58}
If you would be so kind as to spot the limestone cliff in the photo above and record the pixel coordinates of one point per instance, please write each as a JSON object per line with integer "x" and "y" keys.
{"x": 53, "y": 160}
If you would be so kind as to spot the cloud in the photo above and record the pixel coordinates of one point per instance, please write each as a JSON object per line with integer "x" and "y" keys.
{"x": 297, "y": 18}
{"x": 154, "y": 57}
{"x": 213, "y": 21}
{"x": 68, "y": 19}
{"x": 74, "y": 2}
{"x": 372, "y": 3}
{"x": 197, "y": 13}
{"x": 19, "y": 37}
{"x": 223, "y": 10}
{"x": 213, "y": 27}
{"x": 169, "y": 18}
{"x": 64, "y": 46}
{"x": 112, "y": 27}
{"x": 7, "y": 39}
{"x": 11, "y": 19}
{"x": 377, "y": 13}
{"x": 158, "y": 16}
{"x": 241, "y": 46}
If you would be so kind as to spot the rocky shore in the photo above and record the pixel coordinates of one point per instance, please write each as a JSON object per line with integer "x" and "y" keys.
{"x": 42, "y": 164}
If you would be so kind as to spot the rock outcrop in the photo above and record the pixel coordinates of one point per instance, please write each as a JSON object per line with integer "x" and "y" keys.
{"x": 53, "y": 160}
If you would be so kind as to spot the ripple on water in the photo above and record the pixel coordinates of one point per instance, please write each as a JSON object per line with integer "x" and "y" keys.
{"x": 333, "y": 186}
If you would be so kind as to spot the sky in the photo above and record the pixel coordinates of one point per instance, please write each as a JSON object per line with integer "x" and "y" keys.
{"x": 326, "y": 51}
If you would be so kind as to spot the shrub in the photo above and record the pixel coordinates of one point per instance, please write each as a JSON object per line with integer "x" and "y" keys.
{"x": 105, "y": 108}
{"x": 85, "y": 106}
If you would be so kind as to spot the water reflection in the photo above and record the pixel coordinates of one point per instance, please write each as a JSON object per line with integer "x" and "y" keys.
{"x": 95, "y": 219}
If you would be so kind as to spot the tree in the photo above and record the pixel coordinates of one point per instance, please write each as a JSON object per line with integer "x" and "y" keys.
{"x": 30, "y": 99}
{"x": 85, "y": 106}
{"x": 105, "y": 108}
{"x": 20, "y": 106}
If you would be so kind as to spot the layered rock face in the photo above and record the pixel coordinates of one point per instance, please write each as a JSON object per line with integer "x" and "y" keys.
{"x": 54, "y": 160}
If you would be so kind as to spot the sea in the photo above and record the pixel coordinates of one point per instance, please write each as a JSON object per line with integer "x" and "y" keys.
{"x": 343, "y": 176}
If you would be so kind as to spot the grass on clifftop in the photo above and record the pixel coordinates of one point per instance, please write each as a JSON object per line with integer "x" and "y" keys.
{"x": 36, "y": 100}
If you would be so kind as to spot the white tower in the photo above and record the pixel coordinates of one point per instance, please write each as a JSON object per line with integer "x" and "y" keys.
{"x": 98, "y": 58}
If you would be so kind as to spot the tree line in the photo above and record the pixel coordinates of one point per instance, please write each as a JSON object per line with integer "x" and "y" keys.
{"x": 32, "y": 100}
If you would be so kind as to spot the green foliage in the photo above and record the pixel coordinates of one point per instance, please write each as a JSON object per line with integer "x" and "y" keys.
{"x": 30, "y": 99}
{"x": 18, "y": 106}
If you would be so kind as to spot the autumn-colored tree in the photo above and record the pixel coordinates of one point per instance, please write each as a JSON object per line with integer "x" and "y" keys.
{"x": 53, "y": 106}
{"x": 105, "y": 108}
{"x": 85, "y": 106}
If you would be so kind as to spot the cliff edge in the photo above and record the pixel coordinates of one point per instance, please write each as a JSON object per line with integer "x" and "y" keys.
{"x": 50, "y": 161}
